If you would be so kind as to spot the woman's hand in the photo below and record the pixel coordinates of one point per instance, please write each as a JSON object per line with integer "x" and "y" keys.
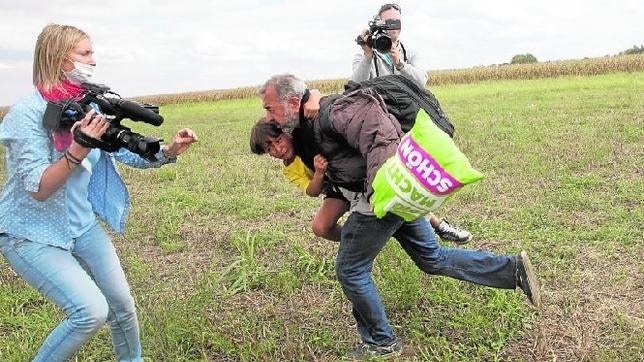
{"x": 92, "y": 125}
{"x": 57, "y": 173}
{"x": 181, "y": 142}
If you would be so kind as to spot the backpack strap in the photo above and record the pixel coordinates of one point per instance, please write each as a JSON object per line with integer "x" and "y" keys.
{"x": 428, "y": 102}
{"x": 351, "y": 86}
{"x": 375, "y": 65}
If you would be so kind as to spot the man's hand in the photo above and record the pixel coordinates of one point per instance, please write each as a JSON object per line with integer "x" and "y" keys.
{"x": 312, "y": 106}
{"x": 368, "y": 51}
{"x": 395, "y": 57}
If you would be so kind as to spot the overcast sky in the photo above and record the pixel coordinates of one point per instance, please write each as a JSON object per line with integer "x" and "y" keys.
{"x": 150, "y": 47}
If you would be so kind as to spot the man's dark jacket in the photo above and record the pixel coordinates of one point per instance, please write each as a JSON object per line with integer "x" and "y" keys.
{"x": 364, "y": 136}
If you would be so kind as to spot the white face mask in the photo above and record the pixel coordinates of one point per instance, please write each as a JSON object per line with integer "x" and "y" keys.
{"x": 82, "y": 73}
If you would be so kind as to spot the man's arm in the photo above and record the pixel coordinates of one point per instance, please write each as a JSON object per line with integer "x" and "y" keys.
{"x": 414, "y": 69}
{"x": 312, "y": 105}
{"x": 362, "y": 61}
{"x": 362, "y": 120}
{"x": 362, "y": 67}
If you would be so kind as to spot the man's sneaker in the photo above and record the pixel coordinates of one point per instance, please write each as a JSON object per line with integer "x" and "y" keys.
{"x": 366, "y": 350}
{"x": 447, "y": 231}
{"x": 527, "y": 279}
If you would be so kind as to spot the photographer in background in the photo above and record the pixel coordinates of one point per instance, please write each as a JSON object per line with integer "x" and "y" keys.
{"x": 55, "y": 188}
{"x": 371, "y": 63}
{"x": 384, "y": 32}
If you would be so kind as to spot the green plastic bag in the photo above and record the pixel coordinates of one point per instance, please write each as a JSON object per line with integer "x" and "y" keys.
{"x": 426, "y": 170}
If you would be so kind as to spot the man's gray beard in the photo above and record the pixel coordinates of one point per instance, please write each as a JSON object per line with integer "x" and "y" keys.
{"x": 292, "y": 122}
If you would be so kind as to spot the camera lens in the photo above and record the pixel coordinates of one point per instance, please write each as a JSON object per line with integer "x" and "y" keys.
{"x": 382, "y": 43}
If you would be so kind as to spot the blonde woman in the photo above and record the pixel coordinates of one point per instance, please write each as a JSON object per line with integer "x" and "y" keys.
{"x": 55, "y": 193}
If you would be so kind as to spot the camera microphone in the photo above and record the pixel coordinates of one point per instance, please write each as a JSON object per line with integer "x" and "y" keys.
{"x": 138, "y": 112}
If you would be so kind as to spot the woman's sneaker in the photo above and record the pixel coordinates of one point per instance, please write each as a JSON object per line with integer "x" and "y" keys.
{"x": 366, "y": 350}
{"x": 447, "y": 231}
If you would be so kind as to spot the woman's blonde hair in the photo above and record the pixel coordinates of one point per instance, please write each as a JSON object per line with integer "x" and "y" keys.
{"x": 54, "y": 43}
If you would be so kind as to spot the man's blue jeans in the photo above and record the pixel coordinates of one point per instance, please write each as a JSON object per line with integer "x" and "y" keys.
{"x": 87, "y": 283}
{"x": 363, "y": 236}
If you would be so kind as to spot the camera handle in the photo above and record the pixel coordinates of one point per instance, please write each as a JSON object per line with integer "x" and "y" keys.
{"x": 86, "y": 141}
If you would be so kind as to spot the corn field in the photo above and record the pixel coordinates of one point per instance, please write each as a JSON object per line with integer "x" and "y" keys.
{"x": 590, "y": 66}
{"x": 585, "y": 67}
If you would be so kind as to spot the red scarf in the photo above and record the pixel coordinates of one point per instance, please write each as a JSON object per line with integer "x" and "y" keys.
{"x": 62, "y": 91}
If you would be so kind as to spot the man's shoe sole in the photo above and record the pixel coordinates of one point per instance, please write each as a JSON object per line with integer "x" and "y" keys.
{"x": 532, "y": 281}
{"x": 464, "y": 241}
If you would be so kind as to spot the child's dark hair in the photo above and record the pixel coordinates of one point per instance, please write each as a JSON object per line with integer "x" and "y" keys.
{"x": 262, "y": 131}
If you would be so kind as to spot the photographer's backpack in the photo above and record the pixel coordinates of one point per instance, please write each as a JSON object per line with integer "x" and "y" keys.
{"x": 403, "y": 98}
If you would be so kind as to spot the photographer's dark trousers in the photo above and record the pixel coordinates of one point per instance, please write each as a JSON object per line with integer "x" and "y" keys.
{"x": 363, "y": 236}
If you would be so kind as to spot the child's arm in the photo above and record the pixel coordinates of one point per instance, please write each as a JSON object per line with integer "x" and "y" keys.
{"x": 317, "y": 182}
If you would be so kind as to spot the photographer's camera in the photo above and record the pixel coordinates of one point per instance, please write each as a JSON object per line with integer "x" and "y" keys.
{"x": 377, "y": 37}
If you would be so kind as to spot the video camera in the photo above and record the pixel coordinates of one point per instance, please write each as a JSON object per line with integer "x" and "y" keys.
{"x": 63, "y": 114}
{"x": 378, "y": 38}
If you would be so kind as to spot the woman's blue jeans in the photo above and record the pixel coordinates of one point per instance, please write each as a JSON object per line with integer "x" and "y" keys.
{"x": 363, "y": 236}
{"x": 87, "y": 283}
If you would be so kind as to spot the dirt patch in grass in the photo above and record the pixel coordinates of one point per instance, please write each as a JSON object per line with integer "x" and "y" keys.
{"x": 598, "y": 309}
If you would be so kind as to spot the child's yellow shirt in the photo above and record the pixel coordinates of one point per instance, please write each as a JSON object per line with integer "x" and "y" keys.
{"x": 298, "y": 173}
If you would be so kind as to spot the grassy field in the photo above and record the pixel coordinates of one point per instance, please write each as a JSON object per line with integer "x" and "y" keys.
{"x": 224, "y": 267}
